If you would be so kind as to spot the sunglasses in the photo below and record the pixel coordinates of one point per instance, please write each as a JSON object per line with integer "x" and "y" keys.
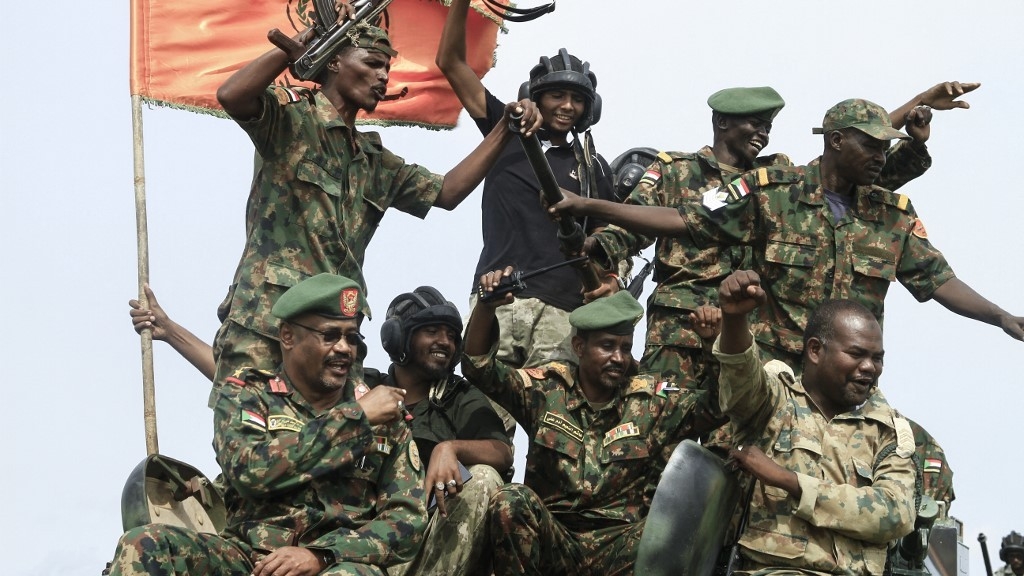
{"x": 334, "y": 335}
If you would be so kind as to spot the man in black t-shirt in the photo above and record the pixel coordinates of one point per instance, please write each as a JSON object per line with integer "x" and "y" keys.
{"x": 516, "y": 229}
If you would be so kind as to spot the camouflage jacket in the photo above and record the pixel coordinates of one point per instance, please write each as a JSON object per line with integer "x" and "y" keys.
{"x": 591, "y": 467}
{"x": 325, "y": 481}
{"x": 318, "y": 194}
{"x": 805, "y": 256}
{"x": 931, "y": 461}
{"x": 688, "y": 276}
{"x": 856, "y": 473}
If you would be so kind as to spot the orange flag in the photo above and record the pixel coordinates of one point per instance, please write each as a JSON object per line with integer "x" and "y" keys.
{"x": 183, "y": 50}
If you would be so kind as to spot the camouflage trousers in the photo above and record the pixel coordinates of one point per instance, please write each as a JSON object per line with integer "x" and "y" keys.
{"x": 236, "y": 347}
{"x": 692, "y": 369}
{"x": 529, "y": 540}
{"x": 163, "y": 550}
{"x": 531, "y": 333}
{"x": 455, "y": 545}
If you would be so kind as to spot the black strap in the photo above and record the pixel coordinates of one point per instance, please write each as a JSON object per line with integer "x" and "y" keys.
{"x": 513, "y": 14}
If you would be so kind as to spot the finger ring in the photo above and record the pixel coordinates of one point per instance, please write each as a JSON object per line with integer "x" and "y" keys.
{"x": 439, "y": 486}
{"x": 452, "y": 482}
{"x": 401, "y": 405}
{"x": 739, "y": 448}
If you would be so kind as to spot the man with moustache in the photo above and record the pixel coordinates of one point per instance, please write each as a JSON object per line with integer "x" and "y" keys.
{"x": 320, "y": 186}
{"x": 321, "y": 474}
{"x": 832, "y": 460}
{"x": 599, "y": 438}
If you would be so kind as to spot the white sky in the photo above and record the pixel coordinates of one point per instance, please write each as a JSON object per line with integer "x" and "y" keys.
{"x": 73, "y": 394}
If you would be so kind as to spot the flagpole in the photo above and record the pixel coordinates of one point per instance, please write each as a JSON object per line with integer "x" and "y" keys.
{"x": 142, "y": 237}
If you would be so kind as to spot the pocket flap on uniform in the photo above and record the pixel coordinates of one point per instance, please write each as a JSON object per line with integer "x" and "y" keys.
{"x": 791, "y": 251}
{"x": 773, "y": 543}
{"x": 874, "y": 266}
{"x": 312, "y": 173}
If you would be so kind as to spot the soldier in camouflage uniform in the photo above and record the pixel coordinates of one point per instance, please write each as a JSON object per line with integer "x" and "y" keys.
{"x": 600, "y": 438}
{"x": 1012, "y": 552}
{"x": 817, "y": 232}
{"x": 832, "y": 460}
{"x": 453, "y": 424}
{"x": 321, "y": 187}
{"x": 322, "y": 476}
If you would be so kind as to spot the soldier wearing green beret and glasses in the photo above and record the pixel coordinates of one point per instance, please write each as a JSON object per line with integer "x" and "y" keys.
{"x": 600, "y": 435}
{"x": 292, "y": 445}
{"x": 321, "y": 186}
{"x": 816, "y": 232}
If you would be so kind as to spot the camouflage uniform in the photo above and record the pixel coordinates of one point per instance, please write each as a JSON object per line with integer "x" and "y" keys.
{"x": 318, "y": 195}
{"x": 804, "y": 256}
{"x": 328, "y": 482}
{"x": 454, "y": 545}
{"x": 931, "y": 461}
{"x": 591, "y": 471}
{"x": 855, "y": 472}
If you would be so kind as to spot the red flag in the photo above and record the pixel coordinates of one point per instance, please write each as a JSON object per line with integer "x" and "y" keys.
{"x": 183, "y": 50}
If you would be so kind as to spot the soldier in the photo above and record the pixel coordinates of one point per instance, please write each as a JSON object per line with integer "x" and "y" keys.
{"x": 687, "y": 275}
{"x": 454, "y": 426}
{"x": 321, "y": 187}
{"x": 321, "y": 474}
{"x": 833, "y": 462}
{"x": 1012, "y": 552}
{"x": 599, "y": 438}
{"x": 162, "y": 327}
{"x": 817, "y": 232}
{"x": 535, "y": 328}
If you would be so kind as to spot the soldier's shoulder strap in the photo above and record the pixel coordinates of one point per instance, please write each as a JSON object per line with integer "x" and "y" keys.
{"x": 777, "y": 159}
{"x": 291, "y": 94}
{"x": 670, "y": 157}
{"x": 899, "y": 201}
{"x": 247, "y": 375}
{"x": 760, "y": 179}
{"x": 561, "y": 370}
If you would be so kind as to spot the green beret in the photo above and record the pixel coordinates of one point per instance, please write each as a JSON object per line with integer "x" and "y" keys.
{"x": 616, "y": 314}
{"x": 868, "y": 117}
{"x": 762, "y": 102}
{"x": 324, "y": 294}
{"x": 371, "y": 38}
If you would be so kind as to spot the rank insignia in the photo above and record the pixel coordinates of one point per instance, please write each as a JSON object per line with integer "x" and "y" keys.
{"x": 626, "y": 430}
{"x": 414, "y": 457}
{"x": 715, "y": 198}
{"x": 361, "y": 389}
{"x": 383, "y": 444}
{"x": 253, "y": 419}
{"x": 282, "y": 422}
{"x": 277, "y": 386}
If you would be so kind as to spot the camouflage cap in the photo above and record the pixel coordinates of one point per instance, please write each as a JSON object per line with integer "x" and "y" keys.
{"x": 762, "y": 102}
{"x": 371, "y": 37}
{"x": 324, "y": 294}
{"x": 868, "y": 117}
{"x": 616, "y": 314}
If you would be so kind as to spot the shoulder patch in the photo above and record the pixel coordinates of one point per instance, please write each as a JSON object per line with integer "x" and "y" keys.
{"x": 919, "y": 230}
{"x": 536, "y": 373}
{"x": 665, "y": 157}
{"x": 651, "y": 176}
{"x": 291, "y": 94}
{"x": 904, "y": 436}
{"x": 899, "y": 201}
{"x": 253, "y": 420}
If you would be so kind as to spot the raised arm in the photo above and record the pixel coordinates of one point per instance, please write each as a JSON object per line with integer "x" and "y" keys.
{"x": 942, "y": 96}
{"x": 451, "y": 59}
{"x": 197, "y": 352}
{"x": 960, "y": 298}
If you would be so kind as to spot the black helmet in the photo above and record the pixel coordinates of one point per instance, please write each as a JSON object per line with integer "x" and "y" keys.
{"x": 413, "y": 310}
{"x": 628, "y": 168}
{"x": 1013, "y": 542}
{"x": 566, "y": 71}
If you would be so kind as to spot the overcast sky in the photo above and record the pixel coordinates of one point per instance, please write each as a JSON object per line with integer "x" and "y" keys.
{"x": 73, "y": 400}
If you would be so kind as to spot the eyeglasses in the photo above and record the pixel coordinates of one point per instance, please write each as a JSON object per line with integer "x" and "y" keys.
{"x": 334, "y": 335}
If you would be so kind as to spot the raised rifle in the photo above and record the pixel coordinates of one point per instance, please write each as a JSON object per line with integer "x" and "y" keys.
{"x": 330, "y": 35}
{"x": 984, "y": 553}
{"x": 570, "y": 233}
{"x": 516, "y": 283}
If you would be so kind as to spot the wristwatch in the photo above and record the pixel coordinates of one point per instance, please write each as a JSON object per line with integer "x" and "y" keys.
{"x": 326, "y": 558}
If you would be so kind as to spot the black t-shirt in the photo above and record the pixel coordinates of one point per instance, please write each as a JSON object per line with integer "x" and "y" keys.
{"x": 517, "y": 230}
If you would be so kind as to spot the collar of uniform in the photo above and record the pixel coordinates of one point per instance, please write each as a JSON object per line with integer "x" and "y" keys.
{"x": 707, "y": 155}
{"x": 812, "y": 193}
{"x": 367, "y": 142}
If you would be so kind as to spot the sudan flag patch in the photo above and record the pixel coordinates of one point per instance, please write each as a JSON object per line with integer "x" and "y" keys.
{"x": 253, "y": 419}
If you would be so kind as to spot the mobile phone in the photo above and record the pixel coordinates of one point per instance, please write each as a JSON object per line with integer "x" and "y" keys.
{"x": 466, "y": 476}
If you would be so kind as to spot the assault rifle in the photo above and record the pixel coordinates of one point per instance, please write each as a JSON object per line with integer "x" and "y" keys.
{"x": 331, "y": 35}
{"x": 516, "y": 283}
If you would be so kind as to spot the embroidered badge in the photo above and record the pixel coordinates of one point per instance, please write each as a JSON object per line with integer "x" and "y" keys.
{"x": 738, "y": 189}
{"x": 384, "y": 444}
{"x": 621, "y": 431}
{"x": 651, "y": 176}
{"x": 282, "y": 422}
{"x": 919, "y": 230}
{"x": 361, "y": 389}
{"x": 253, "y": 419}
{"x": 933, "y": 465}
{"x": 664, "y": 387}
{"x": 349, "y": 302}
{"x": 277, "y": 386}
{"x": 414, "y": 457}
{"x": 715, "y": 199}
{"x": 560, "y": 423}
{"x": 904, "y": 438}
